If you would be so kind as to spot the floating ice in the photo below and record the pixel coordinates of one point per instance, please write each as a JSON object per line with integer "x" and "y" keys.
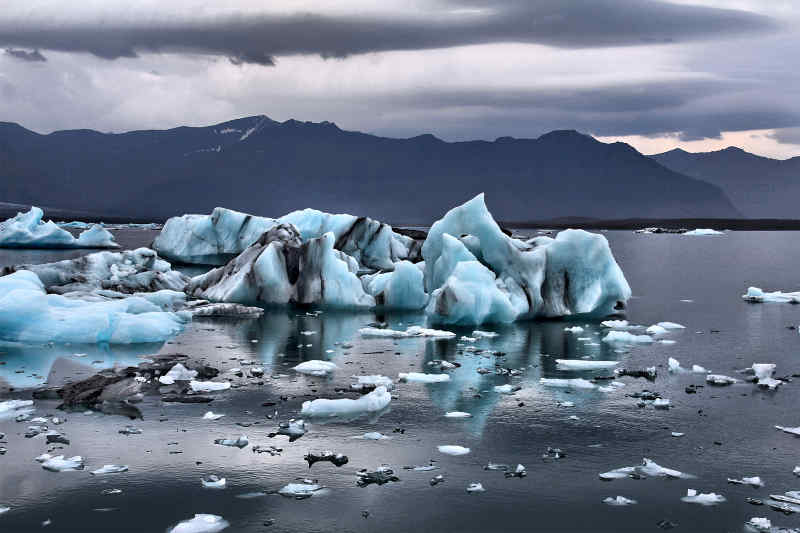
{"x": 475, "y": 487}
{"x": 59, "y": 464}
{"x": 624, "y": 337}
{"x": 655, "y": 329}
{"x": 763, "y": 373}
{"x": 710, "y": 498}
{"x": 662, "y": 403}
{"x": 209, "y": 386}
{"x": 575, "y": 383}
{"x": 756, "y": 295}
{"x": 485, "y": 334}
{"x": 418, "y": 377}
{"x": 796, "y": 471}
{"x": 505, "y": 389}
{"x": 375, "y": 401}
{"x": 402, "y": 288}
{"x": 720, "y": 380}
{"x": 315, "y": 367}
{"x": 372, "y": 381}
{"x": 13, "y": 408}
{"x": 239, "y": 442}
{"x": 759, "y": 524}
{"x": 201, "y": 523}
{"x": 619, "y": 324}
{"x": 213, "y": 481}
{"x": 211, "y": 415}
{"x": 110, "y": 469}
{"x": 413, "y": 331}
{"x": 754, "y": 481}
{"x": 584, "y": 364}
{"x": 27, "y": 230}
{"x": 457, "y": 414}
{"x": 449, "y": 449}
{"x": 279, "y": 268}
{"x": 28, "y": 314}
{"x": 619, "y": 501}
{"x": 574, "y": 329}
{"x": 647, "y": 468}
{"x": 177, "y": 373}
{"x": 209, "y": 239}
{"x": 372, "y": 435}
{"x": 792, "y": 431}
{"x": 675, "y": 367}
{"x": 299, "y": 490}
{"x": 4, "y": 509}
{"x": 703, "y": 231}
{"x": 670, "y": 325}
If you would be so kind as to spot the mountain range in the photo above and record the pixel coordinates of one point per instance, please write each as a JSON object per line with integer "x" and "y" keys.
{"x": 758, "y": 186}
{"x": 266, "y": 167}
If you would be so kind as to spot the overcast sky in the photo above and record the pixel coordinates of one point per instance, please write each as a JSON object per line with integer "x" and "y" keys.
{"x": 700, "y": 74}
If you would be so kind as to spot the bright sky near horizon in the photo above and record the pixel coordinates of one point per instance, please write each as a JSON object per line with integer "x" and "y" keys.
{"x": 697, "y": 74}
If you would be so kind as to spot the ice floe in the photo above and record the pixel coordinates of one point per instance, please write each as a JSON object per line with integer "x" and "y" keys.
{"x": 474, "y": 488}
{"x": 211, "y": 415}
{"x": 177, "y": 373}
{"x": 412, "y": 331}
{"x": 375, "y": 401}
{"x": 27, "y": 230}
{"x": 449, "y": 449}
{"x": 720, "y": 380}
{"x": 209, "y": 386}
{"x": 703, "y": 232}
{"x": 648, "y": 468}
{"x": 418, "y": 377}
{"x": 792, "y": 431}
{"x": 754, "y": 481}
{"x": 457, "y": 414}
{"x": 201, "y": 523}
{"x": 110, "y": 469}
{"x": 625, "y": 337}
{"x": 59, "y": 464}
{"x": 239, "y": 442}
{"x": 619, "y": 501}
{"x": 300, "y": 491}
{"x": 574, "y": 383}
{"x": 756, "y": 295}
{"x": 710, "y": 498}
{"x": 315, "y": 367}
{"x": 584, "y": 364}
{"x": 213, "y": 481}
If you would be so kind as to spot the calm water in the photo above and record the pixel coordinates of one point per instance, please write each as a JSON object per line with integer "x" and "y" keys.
{"x": 723, "y": 334}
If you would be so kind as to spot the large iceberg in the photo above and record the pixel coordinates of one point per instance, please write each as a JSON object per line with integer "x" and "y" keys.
{"x": 217, "y": 238}
{"x": 210, "y": 239}
{"x": 573, "y": 274}
{"x": 472, "y": 273}
{"x": 279, "y": 268}
{"x": 128, "y": 272}
{"x": 27, "y": 230}
{"x": 28, "y": 314}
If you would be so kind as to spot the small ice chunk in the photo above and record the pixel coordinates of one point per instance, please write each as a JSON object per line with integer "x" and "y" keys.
{"x": 449, "y": 449}
{"x": 239, "y": 442}
{"x": 662, "y": 403}
{"x": 413, "y": 331}
{"x": 372, "y": 435}
{"x": 796, "y": 471}
{"x": 110, "y": 469}
{"x": 575, "y": 383}
{"x": 484, "y": 334}
{"x": 619, "y": 501}
{"x": 209, "y": 386}
{"x": 130, "y": 430}
{"x": 624, "y": 337}
{"x": 201, "y": 523}
{"x": 506, "y": 389}
{"x": 720, "y": 380}
{"x": 177, "y": 373}
{"x": 369, "y": 403}
{"x": 315, "y": 367}
{"x": 759, "y": 524}
{"x": 697, "y": 369}
{"x": 703, "y": 232}
{"x": 584, "y": 364}
{"x": 213, "y": 481}
{"x": 211, "y": 415}
{"x": 475, "y": 487}
{"x": 59, "y": 464}
{"x": 574, "y": 329}
{"x": 418, "y": 377}
{"x": 618, "y": 324}
{"x": 12, "y": 408}
{"x": 754, "y": 481}
{"x": 457, "y": 414}
{"x": 655, "y": 329}
{"x": 670, "y": 325}
{"x": 4, "y": 509}
{"x": 299, "y": 490}
{"x": 677, "y": 434}
{"x": 794, "y": 431}
{"x": 710, "y": 498}
{"x": 653, "y": 469}
{"x": 618, "y": 473}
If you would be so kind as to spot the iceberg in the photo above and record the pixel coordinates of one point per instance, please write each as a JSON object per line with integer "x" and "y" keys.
{"x": 27, "y": 230}
{"x": 201, "y": 523}
{"x": 402, "y": 288}
{"x": 279, "y": 268}
{"x": 210, "y": 239}
{"x": 412, "y": 331}
{"x": 104, "y": 273}
{"x": 573, "y": 274}
{"x": 373, "y": 402}
{"x": 692, "y": 496}
{"x": 28, "y": 314}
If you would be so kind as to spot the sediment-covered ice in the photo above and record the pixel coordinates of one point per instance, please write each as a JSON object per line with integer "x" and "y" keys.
{"x": 27, "y": 230}
{"x": 375, "y": 401}
{"x": 280, "y": 268}
{"x": 373, "y": 244}
{"x": 572, "y": 274}
{"x": 210, "y": 239}
{"x": 127, "y": 272}
{"x": 201, "y": 523}
{"x": 28, "y": 314}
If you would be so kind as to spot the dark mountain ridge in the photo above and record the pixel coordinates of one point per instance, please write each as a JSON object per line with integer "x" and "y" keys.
{"x": 265, "y": 167}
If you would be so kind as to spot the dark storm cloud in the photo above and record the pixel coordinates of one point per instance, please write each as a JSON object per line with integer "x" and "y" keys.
{"x": 257, "y": 38}
{"x": 25, "y": 55}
